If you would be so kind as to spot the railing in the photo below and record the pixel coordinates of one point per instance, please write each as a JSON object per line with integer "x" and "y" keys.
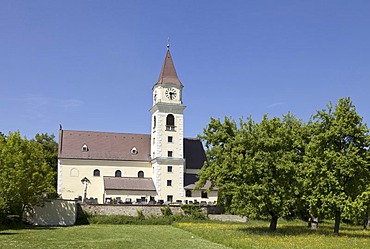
{"x": 170, "y": 128}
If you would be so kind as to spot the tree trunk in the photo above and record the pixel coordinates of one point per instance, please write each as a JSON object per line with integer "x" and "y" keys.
{"x": 366, "y": 220}
{"x": 337, "y": 222}
{"x": 273, "y": 222}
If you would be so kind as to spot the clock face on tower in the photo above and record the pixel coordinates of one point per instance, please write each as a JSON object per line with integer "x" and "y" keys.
{"x": 171, "y": 93}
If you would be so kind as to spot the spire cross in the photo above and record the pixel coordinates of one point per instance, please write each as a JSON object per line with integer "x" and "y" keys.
{"x": 168, "y": 43}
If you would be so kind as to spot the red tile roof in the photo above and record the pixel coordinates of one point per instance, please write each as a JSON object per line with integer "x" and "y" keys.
{"x": 104, "y": 145}
{"x": 168, "y": 73}
{"x": 128, "y": 183}
{"x": 118, "y": 146}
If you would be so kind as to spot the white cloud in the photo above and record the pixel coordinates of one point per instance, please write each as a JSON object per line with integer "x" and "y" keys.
{"x": 276, "y": 104}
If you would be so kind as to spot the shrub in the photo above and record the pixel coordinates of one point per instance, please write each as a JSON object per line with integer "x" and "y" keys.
{"x": 194, "y": 211}
{"x": 140, "y": 215}
{"x": 166, "y": 211}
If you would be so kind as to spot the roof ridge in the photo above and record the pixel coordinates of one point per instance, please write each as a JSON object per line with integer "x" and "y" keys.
{"x": 107, "y": 132}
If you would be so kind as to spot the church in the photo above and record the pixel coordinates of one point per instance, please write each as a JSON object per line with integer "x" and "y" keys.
{"x": 160, "y": 167}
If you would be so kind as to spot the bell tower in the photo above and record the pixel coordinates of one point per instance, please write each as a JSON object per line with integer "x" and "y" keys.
{"x": 167, "y": 133}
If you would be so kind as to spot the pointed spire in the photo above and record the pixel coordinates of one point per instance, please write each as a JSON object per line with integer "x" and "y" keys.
{"x": 168, "y": 73}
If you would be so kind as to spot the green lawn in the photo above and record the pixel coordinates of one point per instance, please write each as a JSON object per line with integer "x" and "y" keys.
{"x": 254, "y": 234}
{"x": 292, "y": 234}
{"x": 104, "y": 236}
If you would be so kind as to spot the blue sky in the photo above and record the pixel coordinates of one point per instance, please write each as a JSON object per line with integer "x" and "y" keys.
{"x": 91, "y": 65}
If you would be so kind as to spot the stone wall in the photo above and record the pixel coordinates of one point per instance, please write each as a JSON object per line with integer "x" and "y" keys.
{"x": 131, "y": 210}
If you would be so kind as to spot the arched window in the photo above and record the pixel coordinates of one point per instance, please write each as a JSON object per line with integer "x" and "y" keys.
{"x": 96, "y": 172}
{"x": 188, "y": 193}
{"x": 140, "y": 174}
{"x": 170, "y": 122}
{"x": 118, "y": 173}
{"x": 74, "y": 172}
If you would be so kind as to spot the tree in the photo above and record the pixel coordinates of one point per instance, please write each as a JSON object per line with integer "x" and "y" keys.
{"x": 336, "y": 168}
{"x": 25, "y": 177}
{"x": 50, "y": 151}
{"x": 254, "y": 166}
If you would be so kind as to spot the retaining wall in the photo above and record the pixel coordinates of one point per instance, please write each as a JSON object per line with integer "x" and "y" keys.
{"x": 131, "y": 210}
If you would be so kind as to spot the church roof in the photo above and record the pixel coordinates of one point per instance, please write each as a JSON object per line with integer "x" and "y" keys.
{"x": 168, "y": 73}
{"x": 120, "y": 146}
{"x": 128, "y": 183}
{"x": 104, "y": 145}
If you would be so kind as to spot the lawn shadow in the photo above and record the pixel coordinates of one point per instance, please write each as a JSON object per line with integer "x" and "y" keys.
{"x": 296, "y": 230}
{"x": 26, "y": 227}
{"x": 6, "y": 233}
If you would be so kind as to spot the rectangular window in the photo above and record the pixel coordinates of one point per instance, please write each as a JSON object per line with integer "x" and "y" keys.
{"x": 204, "y": 194}
{"x": 169, "y": 168}
{"x": 169, "y": 153}
{"x": 169, "y": 182}
{"x": 169, "y": 198}
{"x": 169, "y": 139}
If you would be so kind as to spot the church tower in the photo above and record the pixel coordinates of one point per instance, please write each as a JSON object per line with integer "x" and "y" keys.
{"x": 167, "y": 134}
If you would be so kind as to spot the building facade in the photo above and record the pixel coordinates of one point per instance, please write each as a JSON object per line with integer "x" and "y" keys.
{"x": 158, "y": 167}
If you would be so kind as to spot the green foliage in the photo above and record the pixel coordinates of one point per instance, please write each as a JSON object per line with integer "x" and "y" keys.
{"x": 140, "y": 215}
{"x": 335, "y": 174}
{"x": 254, "y": 165}
{"x": 195, "y": 211}
{"x": 50, "y": 151}
{"x": 26, "y": 178}
{"x": 282, "y": 167}
{"x": 166, "y": 211}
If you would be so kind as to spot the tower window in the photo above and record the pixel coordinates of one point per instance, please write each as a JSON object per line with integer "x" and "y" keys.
{"x": 170, "y": 198}
{"x": 169, "y": 168}
{"x": 154, "y": 122}
{"x": 169, "y": 153}
{"x": 118, "y": 173}
{"x": 96, "y": 172}
{"x": 169, "y": 182}
{"x": 169, "y": 139}
{"x": 153, "y": 140}
{"x": 204, "y": 194}
{"x": 170, "y": 123}
{"x": 188, "y": 193}
{"x": 140, "y": 174}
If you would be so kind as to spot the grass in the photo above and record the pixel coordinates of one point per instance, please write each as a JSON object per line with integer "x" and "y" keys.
{"x": 292, "y": 234}
{"x": 202, "y": 234}
{"x": 103, "y": 236}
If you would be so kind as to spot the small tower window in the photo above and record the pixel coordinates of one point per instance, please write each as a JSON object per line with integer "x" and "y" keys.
{"x": 154, "y": 122}
{"x": 169, "y": 182}
{"x": 96, "y": 172}
{"x": 118, "y": 173}
{"x": 140, "y": 174}
{"x": 169, "y": 139}
{"x": 169, "y": 153}
{"x": 84, "y": 148}
{"x": 204, "y": 194}
{"x": 134, "y": 151}
{"x": 170, "y": 122}
{"x": 188, "y": 193}
{"x": 169, "y": 168}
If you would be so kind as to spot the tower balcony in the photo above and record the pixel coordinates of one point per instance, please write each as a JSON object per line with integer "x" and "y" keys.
{"x": 170, "y": 128}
